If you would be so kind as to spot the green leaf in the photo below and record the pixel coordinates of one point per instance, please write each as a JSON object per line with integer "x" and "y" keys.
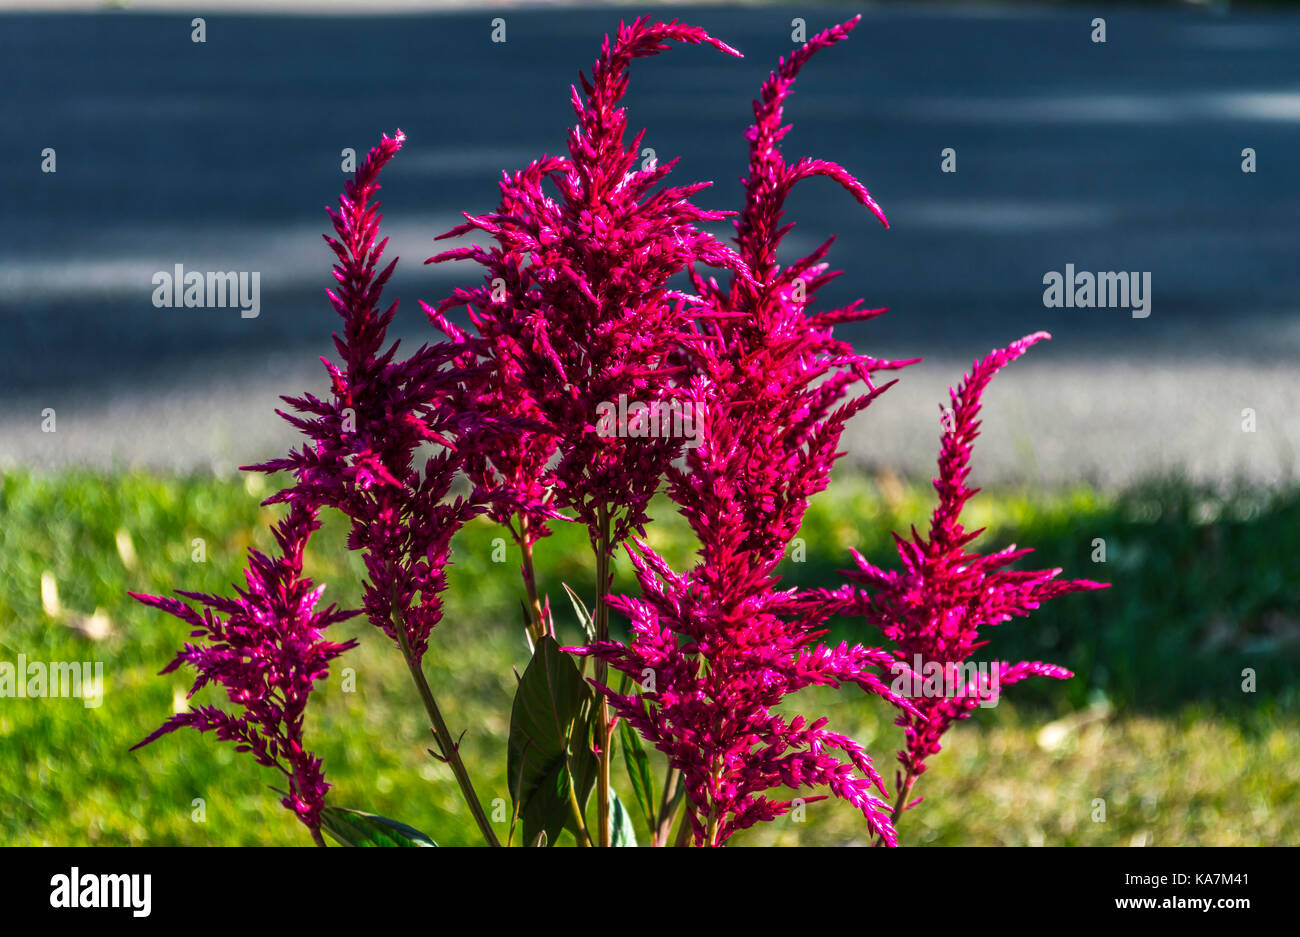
{"x": 638, "y": 771}
{"x": 357, "y": 828}
{"x": 584, "y": 616}
{"x": 620, "y": 823}
{"x": 548, "y": 760}
{"x": 528, "y": 634}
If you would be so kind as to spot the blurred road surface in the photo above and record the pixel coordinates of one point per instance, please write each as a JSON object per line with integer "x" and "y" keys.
{"x": 1123, "y": 156}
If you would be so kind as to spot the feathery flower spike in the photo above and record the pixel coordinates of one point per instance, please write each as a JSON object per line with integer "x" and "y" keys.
{"x": 935, "y": 606}
{"x": 723, "y": 645}
{"x": 266, "y": 649}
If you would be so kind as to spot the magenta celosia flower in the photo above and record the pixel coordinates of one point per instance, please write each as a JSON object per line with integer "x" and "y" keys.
{"x": 716, "y": 650}
{"x": 934, "y": 607}
{"x": 579, "y": 321}
{"x": 515, "y": 466}
{"x": 575, "y": 307}
{"x": 769, "y": 375}
{"x": 266, "y": 649}
{"x": 364, "y": 439}
{"x": 360, "y": 461}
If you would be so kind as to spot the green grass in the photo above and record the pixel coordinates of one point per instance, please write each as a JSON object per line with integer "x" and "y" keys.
{"x": 1155, "y": 724}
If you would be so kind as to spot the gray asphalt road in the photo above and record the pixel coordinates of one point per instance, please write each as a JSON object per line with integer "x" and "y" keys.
{"x": 1123, "y": 156}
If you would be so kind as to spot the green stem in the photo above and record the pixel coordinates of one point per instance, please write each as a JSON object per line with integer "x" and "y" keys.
{"x": 585, "y": 838}
{"x": 711, "y": 829}
{"x": 900, "y": 804}
{"x": 450, "y": 750}
{"x": 715, "y": 814}
{"x": 537, "y": 626}
{"x": 602, "y": 672}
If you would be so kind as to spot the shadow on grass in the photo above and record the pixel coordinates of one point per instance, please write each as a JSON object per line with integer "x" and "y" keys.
{"x": 1205, "y": 585}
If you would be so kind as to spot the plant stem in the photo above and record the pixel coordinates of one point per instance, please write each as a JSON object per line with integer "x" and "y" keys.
{"x": 450, "y": 750}
{"x": 317, "y": 838}
{"x": 538, "y": 626}
{"x": 711, "y": 826}
{"x": 585, "y": 838}
{"x": 904, "y": 792}
{"x": 711, "y": 829}
{"x": 602, "y": 671}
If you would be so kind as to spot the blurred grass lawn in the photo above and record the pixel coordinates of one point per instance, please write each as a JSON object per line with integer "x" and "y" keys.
{"x": 1155, "y": 724}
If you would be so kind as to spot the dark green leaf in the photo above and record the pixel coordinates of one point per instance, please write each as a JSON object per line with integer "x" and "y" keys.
{"x": 638, "y": 771}
{"x": 357, "y": 828}
{"x": 547, "y": 750}
{"x": 584, "y": 616}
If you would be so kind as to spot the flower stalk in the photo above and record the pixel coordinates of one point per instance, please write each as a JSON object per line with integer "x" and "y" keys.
{"x": 448, "y": 747}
